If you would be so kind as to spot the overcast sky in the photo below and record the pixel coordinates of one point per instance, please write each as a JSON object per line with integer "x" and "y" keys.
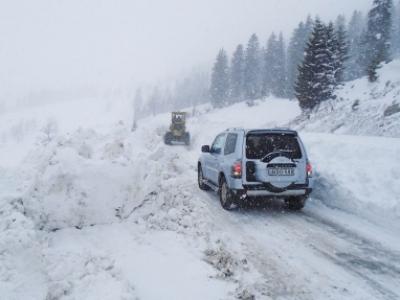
{"x": 66, "y": 44}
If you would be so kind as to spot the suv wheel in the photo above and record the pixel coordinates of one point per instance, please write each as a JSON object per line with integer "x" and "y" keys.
{"x": 226, "y": 196}
{"x": 296, "y": 203}
{"x": 200, "y": 179}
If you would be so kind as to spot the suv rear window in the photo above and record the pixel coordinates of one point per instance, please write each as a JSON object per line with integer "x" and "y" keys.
{"x": 260, "y": 145}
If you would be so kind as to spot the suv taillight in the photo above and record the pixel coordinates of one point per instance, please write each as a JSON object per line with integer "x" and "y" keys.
{"x": 237, "y": 169}
{"x": 309, "y": 169}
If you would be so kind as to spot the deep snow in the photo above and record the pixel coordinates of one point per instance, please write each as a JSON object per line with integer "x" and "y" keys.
{"x": 90, "y": 210}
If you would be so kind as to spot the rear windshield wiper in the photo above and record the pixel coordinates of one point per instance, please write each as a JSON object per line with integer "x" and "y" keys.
{"x": 270, "y": 156}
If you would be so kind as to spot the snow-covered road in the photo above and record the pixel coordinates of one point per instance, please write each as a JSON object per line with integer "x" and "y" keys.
{"x": 305, "y": 256}
{"x": 96, "y": 214}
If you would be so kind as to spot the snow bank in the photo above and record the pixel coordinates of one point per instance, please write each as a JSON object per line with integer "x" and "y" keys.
{"x": 71, "y": 272}
{"x": 357, "y": 174}
{"x": 79, "y": 179}
{"x": 19, "y": 244}
{"x": 22, "y": 129}
{"x": 361, "y": 107}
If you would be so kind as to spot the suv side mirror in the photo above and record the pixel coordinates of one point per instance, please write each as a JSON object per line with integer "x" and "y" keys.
{"x": 205, "y": 149}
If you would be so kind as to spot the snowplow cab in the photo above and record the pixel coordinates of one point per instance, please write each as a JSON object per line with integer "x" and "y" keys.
{"x": 177, "y": 130}
{"x": 178, "y": 117}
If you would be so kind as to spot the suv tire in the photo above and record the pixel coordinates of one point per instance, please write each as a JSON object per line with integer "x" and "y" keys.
{"x": 296, "y": 203}
{"x": 200, "y": 179}
{"x": 226, "y": 197}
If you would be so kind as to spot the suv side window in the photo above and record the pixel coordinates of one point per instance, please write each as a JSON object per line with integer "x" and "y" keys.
{"x": 230, "y": 144}
{"x": 218, "y": 144}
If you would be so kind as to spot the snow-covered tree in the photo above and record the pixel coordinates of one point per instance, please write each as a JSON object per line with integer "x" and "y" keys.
{"x": 373, "y": 67}
{"x": 378, "y": 38}
{"x": 268, "y": 65}
{"x": 252, "y": 73}
{"x": 396, "y": 30}
{"x": 48, "y": 131}
{"x": 295, "y": 54}
{"x": 331, "y": 63}
{"x": 274, "y": 67}
{"x": 355, "y": 65}
{"x": 279, "y": 89}
{"x": 220, "y": 80}
{"x": 315, "y": 82}
{"x": 237, "y": 74}
{"x": 341, "y": 49}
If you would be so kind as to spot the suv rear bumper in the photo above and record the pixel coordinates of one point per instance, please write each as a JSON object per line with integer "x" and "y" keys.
{"x": 259, "y": 190}
{"x": 283, "y": 194}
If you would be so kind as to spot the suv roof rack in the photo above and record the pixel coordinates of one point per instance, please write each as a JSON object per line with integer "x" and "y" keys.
{"x": 285, "y": 131}
{"x": 234, "y": 129}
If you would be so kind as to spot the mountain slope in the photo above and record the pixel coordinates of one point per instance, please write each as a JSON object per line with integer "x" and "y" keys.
{"x": 360, "y": 107}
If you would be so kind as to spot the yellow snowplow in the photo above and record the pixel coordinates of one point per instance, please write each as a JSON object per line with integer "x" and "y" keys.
{"x": 177, "y": 131}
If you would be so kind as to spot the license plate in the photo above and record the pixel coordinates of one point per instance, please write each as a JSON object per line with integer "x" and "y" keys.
{"x": 281, "y": 171}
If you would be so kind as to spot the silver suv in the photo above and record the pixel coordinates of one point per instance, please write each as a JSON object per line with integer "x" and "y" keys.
{"x": 243, "y": 164}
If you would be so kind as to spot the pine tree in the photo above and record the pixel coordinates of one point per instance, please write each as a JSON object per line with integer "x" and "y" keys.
{"x": 355, "y": 65}
{"x": 379, "y": 32}
{"x": 237, "y": 74}
{"x": 329, "y": 61}
{"x": 309, "y": 26}
{"x": 341, "y": 49}
{"x": 252, "y": 81}
{"x": 315, "y": 82}
{"x": 396, "y": 31}
{"x": 372, "y": 70}
{"x": 279, "y": 76}
{"x": 295, "y": 54}
{"x": 265, "y": 72}
{"x": 220, "y": 80}
{"x": 269, "y": 65}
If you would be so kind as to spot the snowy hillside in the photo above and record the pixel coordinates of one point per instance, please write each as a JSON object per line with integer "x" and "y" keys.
{"x": 90, "y": 210}
{"x": 361, "y": 107}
